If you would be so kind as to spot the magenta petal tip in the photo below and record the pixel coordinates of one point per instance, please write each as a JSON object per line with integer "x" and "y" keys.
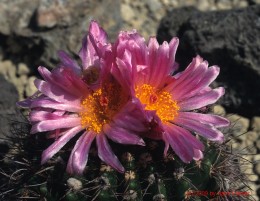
{"x": 141, "y": 142}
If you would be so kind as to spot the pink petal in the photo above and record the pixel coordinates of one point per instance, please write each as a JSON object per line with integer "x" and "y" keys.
{"x": 56, "y": 93}
{"x": 161, "y": 61}
{"x": 198, "y": 155}
{"x": 99, "y": 47}
{"x": 58, "y": 144}
{"x": 122, "y": 136}
{"x": 142, "y": 75}
{"x": 88, "y": 53}
{"x": 188, "y": 84}
{"x": 56, "y": 133}
{"x": 106, "y": 154}
{"x": 214, "y": 120}
{"x": 69, "y": 62}
{"x": 48, "y": 103}
{"x": 66, "y": 79}
{"x": 134, "y": 43}
{"x": 208, "y": 78}
{"x": 48, "y": 125}
{"x": 181, "y": 77}
{"x": 38, "y": 115}
{"x": 205, "y": 130}
{"x": 190, "y": 145}
{"x": 123, "y": 71}
{"x": 153, "y": 46}
{"x": 166, "y": 148}
{"x": 132, "y": 116}
{"x": 173, "y": 45}
{"x": 180, "y": 147}
{"x": 162, "y": 68}
{"x": 79, "y": 155}
{"x": 98, "y": 33}
{"x": 129, "y": 123}
{"x": 188, "y": 137}
{"x": 27, "y": 102}
{"x": 201, "y": 100}
{"x": 59, "y": 112}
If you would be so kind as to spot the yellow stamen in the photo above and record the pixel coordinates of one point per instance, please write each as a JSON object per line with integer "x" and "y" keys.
{"x": 99, "y": 107}
{"x": 93, "y": 116}
{"x": 160, "y": 101}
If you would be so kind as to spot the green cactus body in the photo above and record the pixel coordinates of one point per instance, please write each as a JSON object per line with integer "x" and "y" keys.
{"x": 130, "y": 188}
{"x": 108, "y": 184}
{"x": 148, "y": 176}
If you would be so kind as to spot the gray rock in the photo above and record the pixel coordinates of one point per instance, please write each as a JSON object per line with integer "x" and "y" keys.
{"x": 52, "y": 13}
{"x": 219, "y": 110}
{"x": 16, "y": 15}
{"x": 257, "y": 168}
{"x": 8, "y": 110}
{"x": 254, "y": 190}
{"x": 250, "y": 136}
{"x": 18, "y": 77}
{"x": 255, "y": 2}
{"x": 35, "y": 30}
{"x": 22, "y": 69}
{"x": 127, "y": 12}
{"x": 8, "y": 70}
{"x": 256, "y": 158}
{"x": 20, "y": 83}
{"x": 229, "y": 39}
{"x": 258, "y": 144}
{"x": 255, "y": 124}
{"x": 154, "y": 5}
{"x": 239, "y": 125}
{"x": 203, "y": 5}
{"x": 248, "y": 142}
{"x": 224, "y": 4}
{"x": 249, "y": 171}
{"x": 30, "y": 88}
{"x": 253, "y": 177}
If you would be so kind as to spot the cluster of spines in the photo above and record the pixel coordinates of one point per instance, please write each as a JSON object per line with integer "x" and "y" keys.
{"x": 148, "y": 175}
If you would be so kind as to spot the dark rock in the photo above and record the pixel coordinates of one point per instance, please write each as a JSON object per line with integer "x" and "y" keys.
{"x": 8, "y": 111}
{"x": 33, "y": 31}
{"x": 229, "y": 39}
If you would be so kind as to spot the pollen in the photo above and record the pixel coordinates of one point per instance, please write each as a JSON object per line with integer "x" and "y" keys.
{"x": 93, "y": 116}
{"x": 160, "y": 101}
{"x": 99, "y": 107}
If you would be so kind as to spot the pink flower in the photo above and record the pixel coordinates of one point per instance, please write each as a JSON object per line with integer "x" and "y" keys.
{"x": 85, "y": 100}
{"x": 172, "y": 101}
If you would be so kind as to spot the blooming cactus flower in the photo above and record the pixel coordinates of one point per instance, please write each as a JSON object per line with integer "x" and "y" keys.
{"x": 85, "y": 99}
{"x": 174, "y": 101}
{"x": 122, "y": 90}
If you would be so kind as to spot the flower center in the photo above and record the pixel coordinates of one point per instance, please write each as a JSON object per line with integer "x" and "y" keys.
{"x": 160, "y": 101}
{"x": 99, "y": 107}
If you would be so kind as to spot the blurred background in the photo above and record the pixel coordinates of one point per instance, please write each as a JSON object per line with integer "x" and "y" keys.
{"x": 224, "y": 32}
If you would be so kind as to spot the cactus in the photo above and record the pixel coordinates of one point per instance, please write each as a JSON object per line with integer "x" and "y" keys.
{"x": 148, "y": 175}
{"x": 123, "y": 96}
